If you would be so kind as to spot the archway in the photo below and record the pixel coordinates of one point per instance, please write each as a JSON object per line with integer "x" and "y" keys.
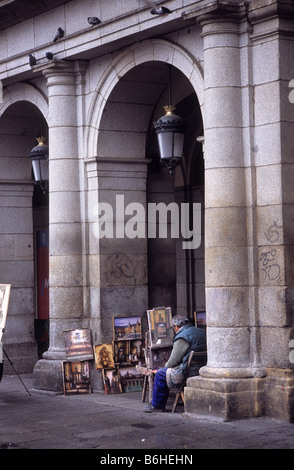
{"x": 23, "y": 212}
{"x": 128, "y": 99}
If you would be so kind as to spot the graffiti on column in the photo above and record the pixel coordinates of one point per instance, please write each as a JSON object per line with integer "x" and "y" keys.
{"x": 268, "y": 259}
{"x": 120, "y": 272}
{"x": 119, "y": 267}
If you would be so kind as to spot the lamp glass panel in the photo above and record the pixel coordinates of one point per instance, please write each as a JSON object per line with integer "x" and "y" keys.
{"x": 165, "y": 142}
{"x": 41, "y": 169}
{"x": 178, "y": 144}
{"x": 170, "y": 144}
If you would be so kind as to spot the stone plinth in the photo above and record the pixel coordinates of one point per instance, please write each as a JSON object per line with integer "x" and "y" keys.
{"x": 279, "y": 394}
{"x": 224, "y": 399}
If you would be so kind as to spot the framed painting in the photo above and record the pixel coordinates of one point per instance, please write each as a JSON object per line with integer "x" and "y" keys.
{"x": 128, "y": 351}
{"x": 78, "y": 345}
{"x": 4, "y": 302}
{"x": 126, "y": 328}
{"x": 112, "y": 381}
{"x": 121, "y": 352}
{"x": 131, "y": 379}
{"x": 159, "y": 357}
{"x": 104, "y": 356}
{"x": 76, "y": 377}
{"x": 159, "y": 322}
{"x": 200, "y": 320}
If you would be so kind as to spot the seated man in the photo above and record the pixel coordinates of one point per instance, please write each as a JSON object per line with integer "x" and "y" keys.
{"x": 187, "y": 338}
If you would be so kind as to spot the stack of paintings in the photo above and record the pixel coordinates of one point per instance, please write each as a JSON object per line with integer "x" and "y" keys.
{"x": 118, "y": 360}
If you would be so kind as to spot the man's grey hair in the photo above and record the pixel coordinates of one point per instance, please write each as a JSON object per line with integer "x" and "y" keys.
{"x": 179, "y": 320}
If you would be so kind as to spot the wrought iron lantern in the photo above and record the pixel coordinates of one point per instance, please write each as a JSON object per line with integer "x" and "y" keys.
{"x": 40, "y": 163}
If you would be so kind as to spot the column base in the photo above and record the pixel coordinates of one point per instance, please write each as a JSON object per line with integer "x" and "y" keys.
{"x": 279, "y": 394}
{"x": 227, "y": 399}
{"x": 224, "y": 399}
{"x": 47, "y": 375}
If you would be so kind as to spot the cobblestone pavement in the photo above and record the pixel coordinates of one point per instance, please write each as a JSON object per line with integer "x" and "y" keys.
{"x": 98, "y": 421}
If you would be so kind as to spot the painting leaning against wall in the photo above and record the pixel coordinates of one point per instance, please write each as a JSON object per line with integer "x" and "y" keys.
{"x": 4, "y": 301}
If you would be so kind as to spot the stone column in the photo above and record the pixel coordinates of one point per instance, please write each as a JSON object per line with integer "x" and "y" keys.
{"x": 272, "y": 59}
{"x": 217, "y": 391}
{"x": 225, "y": 204}
{"x": 65, "y": 264}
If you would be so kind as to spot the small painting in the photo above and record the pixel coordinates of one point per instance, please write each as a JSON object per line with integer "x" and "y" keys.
{"x": 159, "y": 357}
{"x": 76, "y": 377}
{"x": 201, "y": 319}
{"x": 159, "y": 322}
{"x": 131, "y": 379}
{"x": 126, "y": 328}
{"x": 112, "y": 381}
{"x": 104, "y": 356}
{"x": 4, "y": 302}
{"x": 78, "y": 346}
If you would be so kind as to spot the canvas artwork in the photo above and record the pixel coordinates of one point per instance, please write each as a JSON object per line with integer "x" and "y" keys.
{"x": 125, "y": 328}
{"x": 104, "y": 356}
{"x": 76, "y": 377}
{"x": 112, "y": 381}
{"x": 4, "y": 301}
{"x": 157, "y": 357}
{"x": 160, "y": 327}
{"x": 201, "y": 319}
{"x": 128, "y": 352}
{"x": 131, "y": 379}
{"x": 78, "y": 345}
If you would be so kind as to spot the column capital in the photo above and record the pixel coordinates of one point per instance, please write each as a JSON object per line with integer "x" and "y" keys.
{"x": 218, "y": 10}
{"x": 71, "y": 72}
{"x": 271, "y": 19}
{"x": 59, "y": 73}
{"x": 262, "y": 10}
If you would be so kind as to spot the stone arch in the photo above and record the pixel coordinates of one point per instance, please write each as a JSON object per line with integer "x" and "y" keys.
{"x": 147, "y": 51}
{"x": 24, "y": 92}
{"x": 20, "y": 113}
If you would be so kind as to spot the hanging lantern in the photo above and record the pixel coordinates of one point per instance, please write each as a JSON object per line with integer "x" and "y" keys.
{"x": 40, "y": 163}
{"x": 170, "y": 130}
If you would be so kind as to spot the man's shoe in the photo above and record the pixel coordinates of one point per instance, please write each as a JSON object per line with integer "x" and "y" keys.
{"x": 151, "y": 409}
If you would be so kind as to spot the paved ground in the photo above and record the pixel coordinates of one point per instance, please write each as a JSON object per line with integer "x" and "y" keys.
{"x": 98, "y": 421}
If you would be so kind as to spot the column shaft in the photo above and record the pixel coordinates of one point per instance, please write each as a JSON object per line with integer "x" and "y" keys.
{"x": 65, "y": 236}
{"x": 226, "y": 255}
